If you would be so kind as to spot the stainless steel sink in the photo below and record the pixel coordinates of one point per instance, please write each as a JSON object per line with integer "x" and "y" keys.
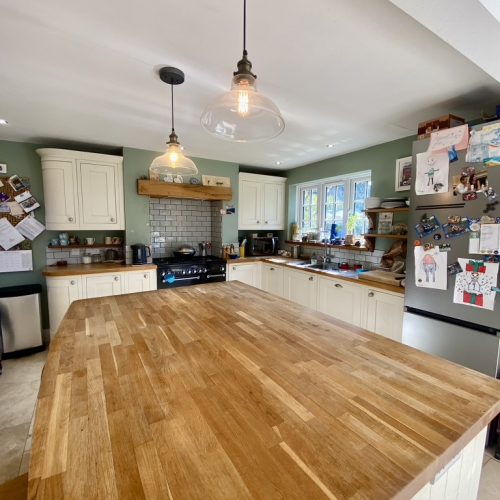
{"x": 327, "y": 266}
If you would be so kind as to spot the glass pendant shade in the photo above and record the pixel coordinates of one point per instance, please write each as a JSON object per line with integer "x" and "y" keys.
{"x": 242, "y": 114}
{"x": 172, "y": 162}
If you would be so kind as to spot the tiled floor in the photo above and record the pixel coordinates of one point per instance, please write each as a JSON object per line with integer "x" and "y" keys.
{"x": 19, "y": 385}
{"x": 18, "y": 390}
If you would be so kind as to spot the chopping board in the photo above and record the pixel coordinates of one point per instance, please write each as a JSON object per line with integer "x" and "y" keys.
{"x": 386, "y": 277}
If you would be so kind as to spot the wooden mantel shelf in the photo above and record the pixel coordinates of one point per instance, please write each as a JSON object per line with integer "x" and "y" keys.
{"x": 158, "y": 189}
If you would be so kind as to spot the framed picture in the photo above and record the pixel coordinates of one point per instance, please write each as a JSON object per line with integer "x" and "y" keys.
{"x": 404, "y": 173}
{"x": 3, "y": 168}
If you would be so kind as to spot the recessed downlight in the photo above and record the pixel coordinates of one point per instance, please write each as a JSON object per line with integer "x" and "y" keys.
{"x": 330, "y": 145}
{"x": 3, "y": 122}
{"x": 278, "y": 163}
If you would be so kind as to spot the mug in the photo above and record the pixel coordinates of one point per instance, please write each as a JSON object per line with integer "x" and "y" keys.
{"x": 108, "y": 240}
{"x": 116, "y": 240}
{"x": 63, "y": 243}
{"x": 54, "y": 242}
{"x": 89, "y": 241}
{"x": 63, "y": 236}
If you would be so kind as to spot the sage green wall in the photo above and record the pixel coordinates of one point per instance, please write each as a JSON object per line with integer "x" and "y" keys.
{"x": 381, "y": 160}
{"x": 136, "y": 164}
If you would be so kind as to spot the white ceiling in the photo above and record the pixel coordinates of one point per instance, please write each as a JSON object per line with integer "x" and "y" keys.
{"x": 353, "y": 73}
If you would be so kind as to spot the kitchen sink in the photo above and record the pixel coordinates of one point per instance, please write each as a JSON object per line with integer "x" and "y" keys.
{"x": 327, "y": 266}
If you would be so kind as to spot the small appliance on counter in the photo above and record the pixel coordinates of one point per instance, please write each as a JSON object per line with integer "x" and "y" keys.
{"x": 262, "y": 245}
{"x": 140, "y": 254}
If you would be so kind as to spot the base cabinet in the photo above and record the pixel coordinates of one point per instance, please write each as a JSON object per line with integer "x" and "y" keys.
{"x": 384, "y": 314}
{"x": 301, "y": 287}
{"x": 273, "y": 279}
{"x": 340, "y": 299}
{"x": 246, "y": 273}
{"x": 61, "y": 293}
{"x": 103, "y": 285}
{"x": 136, "y": 282}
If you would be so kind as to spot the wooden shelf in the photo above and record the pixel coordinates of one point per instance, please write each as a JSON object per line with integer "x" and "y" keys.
{"x": 380, "y": 210}
{"x": 393, "y": 236}
{"x": 157, "y": 189}
{"x": 95, "y": 245}
{"x": 322, "y": 245}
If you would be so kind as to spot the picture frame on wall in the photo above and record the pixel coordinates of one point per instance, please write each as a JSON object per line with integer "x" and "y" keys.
{"x": 3, "y": 168}
{"x": 404, "y": 174}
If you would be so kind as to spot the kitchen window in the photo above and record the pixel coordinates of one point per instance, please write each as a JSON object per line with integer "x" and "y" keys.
{"x": 331, "y": 201}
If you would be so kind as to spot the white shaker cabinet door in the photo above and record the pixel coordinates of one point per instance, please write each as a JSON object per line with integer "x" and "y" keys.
{"x": 301, "y": 287}
{"x": 60, "y": 194}
{"x": 99, "y": 196}
{"x": 103, "y": 285}
{"x": 384, "y": 314}
{"x": 61, "y": 293}
{"x": 274, "y": 202}
{"x": 273, "y": 279}
{"x": 341, "y": 300}
{"x": 250, "y": 204}
{"x": 139, "y": 281}
{"x": 246, "y": 273}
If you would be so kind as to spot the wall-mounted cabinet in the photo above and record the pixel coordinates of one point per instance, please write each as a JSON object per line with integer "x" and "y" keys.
{"x": 261, "y": 202}
{"x": 82, "y": 190}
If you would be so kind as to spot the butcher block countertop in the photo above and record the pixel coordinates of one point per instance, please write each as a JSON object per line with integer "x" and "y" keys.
{"x": 222, "y": 391}
{"x": 79, "y": 269}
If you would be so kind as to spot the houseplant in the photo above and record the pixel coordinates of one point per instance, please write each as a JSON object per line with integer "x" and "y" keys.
{"x": 352, "y": 220}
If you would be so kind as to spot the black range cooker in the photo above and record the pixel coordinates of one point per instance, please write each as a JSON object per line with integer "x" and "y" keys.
{"x": 174, "y": 271}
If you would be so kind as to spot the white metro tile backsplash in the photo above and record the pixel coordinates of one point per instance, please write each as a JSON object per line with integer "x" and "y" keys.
{"x": 176, "y": 222}
{"x": 368, "y": 259}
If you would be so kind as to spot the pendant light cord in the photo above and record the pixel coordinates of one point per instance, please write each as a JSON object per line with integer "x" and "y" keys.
{"x": 245, "y": 27}
{"x": 172, "y": 102}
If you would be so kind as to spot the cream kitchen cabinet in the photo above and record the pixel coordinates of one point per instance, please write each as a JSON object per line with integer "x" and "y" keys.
{"x": 261, "y": 202}
{"x": 301, "y": 287}
{"x": 61, "y": 293}
{"x": 82, "y": 190}
{"x": 273, "y": 279}
{"x": 140, "y": 281}
{"x": 103, "y": 285}
{"x": 246, "y": 273}
{"x": 383, "y": 313}
{"x": 340, "y": 299}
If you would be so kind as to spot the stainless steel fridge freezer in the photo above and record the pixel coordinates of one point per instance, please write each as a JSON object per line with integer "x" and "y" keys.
{"x": 433, "y": 323}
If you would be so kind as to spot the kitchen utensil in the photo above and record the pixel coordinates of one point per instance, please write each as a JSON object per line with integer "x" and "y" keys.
{"x": 185, "y": 251}
{"x": 111, "y": 255}
{"x": 89, "y": 241}
{"x": 86, "y": 258}
{"x": 140, "y": 253}
{"x": 96, "y": 258}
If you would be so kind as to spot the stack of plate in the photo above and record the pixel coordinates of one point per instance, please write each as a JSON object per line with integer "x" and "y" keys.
{"x": 372, "y": 202}
{"x": 393, "y": 203}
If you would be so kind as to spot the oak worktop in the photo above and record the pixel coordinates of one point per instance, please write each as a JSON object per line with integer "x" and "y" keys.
{"x": 105, "y": 267}
{"x": 223, "y": 391}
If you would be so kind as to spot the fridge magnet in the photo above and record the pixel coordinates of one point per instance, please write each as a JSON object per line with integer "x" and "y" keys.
{"x": 430, "y": 268}
{"x": 473, "y": 286}
{"x": 403, "y": 174}
{"x": 3, "y": 168}
{"x": 456, "y": 137}
{"x": 27, "y": 201}
{"x": 418, "y": 243}
{"x": 432, "y": 172}
{"x": 452, "y": 154}
{"x": 454, "y": 268}
{"x": 428, "y": 246}
{"x": 469, "y": 196}
{"x": 427, "y": 226}
{"x": 445, "y": 247}
{"x": 491, "y": 258}
{"x": 491, "y": 200}
{"x": 437, "y": 237}
{"x": 456, "y": 226}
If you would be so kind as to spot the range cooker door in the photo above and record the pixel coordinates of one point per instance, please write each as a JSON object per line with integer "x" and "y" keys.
{"x": 167, "y": 279}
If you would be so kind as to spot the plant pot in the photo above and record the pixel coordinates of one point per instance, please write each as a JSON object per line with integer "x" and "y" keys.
{"x": 349, "y": 239}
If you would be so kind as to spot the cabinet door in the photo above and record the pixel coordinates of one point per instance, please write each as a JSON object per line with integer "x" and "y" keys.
{"x": 103, "y": 285}
{"x": 61, "y": 293}
{"x": 273, "y": 279}
{"x": 301, "y": 287}
{"x": 340, "y": 299}
{"x": 60, "y": 194}
{"x": 384, "y": 314}
{"x": 246, "y": 273}
{"x": 98, "y": 196}
{"x": 274, "y": 205}
{"x": 140, "y": 281}
{"x": 250, "y": 204}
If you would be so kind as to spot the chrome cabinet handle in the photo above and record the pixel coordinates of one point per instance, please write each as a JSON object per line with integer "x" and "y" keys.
{"x": 258, "y": 222}
{"x": 338, "y": 285}
{"x": 70, "y": 219}
{"x": 265, "y": 222}
{"x": 117, "y": 278}
{"x": 234, "y": 268}
{"x": 311, "y": 278}
{"x": 72, "y": 282}
{"x": 271, "y": 269}
{"x": 112, "y": 219}
{"x": 371, "y": 294}
{"x": 145, "y": 276}
{"x": 216, "y": 275}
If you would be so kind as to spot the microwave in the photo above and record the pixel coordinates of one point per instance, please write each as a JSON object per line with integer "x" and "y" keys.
{"x": 262, "y": 245}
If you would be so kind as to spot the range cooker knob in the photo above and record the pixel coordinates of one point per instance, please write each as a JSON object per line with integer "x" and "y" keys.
{"x": 183, "y": 272}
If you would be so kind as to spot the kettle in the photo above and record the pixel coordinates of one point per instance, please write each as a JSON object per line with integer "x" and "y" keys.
{"x": 140, "y": 253}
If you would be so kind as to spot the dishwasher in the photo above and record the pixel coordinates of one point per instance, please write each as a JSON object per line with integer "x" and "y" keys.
{"x": 20, "y": 318}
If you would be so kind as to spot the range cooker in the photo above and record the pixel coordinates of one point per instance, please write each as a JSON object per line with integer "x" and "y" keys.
{"x": 174, "y": 271}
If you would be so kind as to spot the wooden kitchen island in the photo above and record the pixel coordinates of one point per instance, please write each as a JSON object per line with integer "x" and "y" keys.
{"x": 222, "y": 391}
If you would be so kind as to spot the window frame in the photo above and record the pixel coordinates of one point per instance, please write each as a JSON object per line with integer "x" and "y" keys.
{"x": 347, "y": 180}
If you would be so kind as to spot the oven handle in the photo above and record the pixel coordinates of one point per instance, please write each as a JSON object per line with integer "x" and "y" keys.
{"x": 216, "y": 275}
{"x": 189, "y": 278}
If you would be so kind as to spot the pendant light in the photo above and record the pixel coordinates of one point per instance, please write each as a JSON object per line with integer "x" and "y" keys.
{"x": 173, "y": 161}
{"x": 243, "y": 114}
